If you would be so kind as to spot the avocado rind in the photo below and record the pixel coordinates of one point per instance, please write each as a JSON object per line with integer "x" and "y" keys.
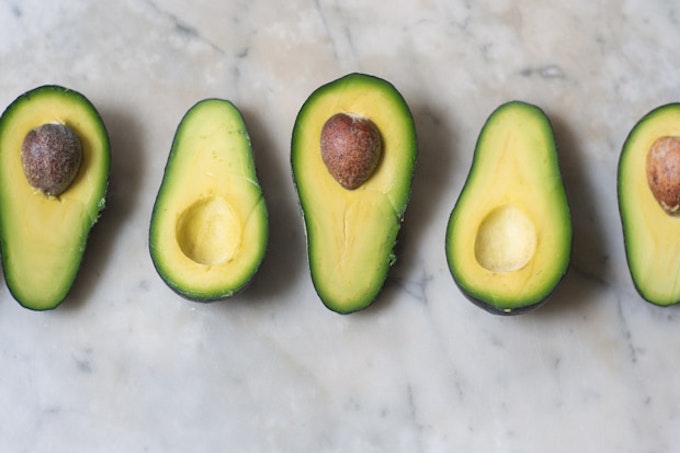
{"x": 496, "y": 310}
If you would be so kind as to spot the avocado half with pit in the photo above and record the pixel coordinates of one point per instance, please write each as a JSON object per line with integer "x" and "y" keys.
{"x": 209, "y": 226}
{"x": 649, "y": 198}
{"x": 509, "y": 236}
{"x": 54, "y": 172}
{"x": 353, "y": 155}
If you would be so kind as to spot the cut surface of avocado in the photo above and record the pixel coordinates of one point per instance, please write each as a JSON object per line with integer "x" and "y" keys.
{"x": 43, "y": 237}
{"x": 351, "y": 233}
{"x": 509, "y": 236}
{"x": 209, "y": 226}
{"x": 649, "y": 232}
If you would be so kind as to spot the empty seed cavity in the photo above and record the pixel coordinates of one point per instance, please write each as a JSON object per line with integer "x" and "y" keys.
{"x": 506, "y": 240}
{"x": 209, "y": 231}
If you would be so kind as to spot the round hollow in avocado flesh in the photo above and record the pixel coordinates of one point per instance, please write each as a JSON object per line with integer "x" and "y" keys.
{"x": 351, "y": 234}
{"x": 43, "y": 238}
{"x": 509, "y": 236}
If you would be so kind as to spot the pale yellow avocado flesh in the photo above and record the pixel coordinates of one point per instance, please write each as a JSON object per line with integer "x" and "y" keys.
{"x": 511, "y": 224}
{"x": 351, "y": 233}
{"x": 652, "y": 248}
{"x": 209, "y": 226}
{"x": 44, "y": 237}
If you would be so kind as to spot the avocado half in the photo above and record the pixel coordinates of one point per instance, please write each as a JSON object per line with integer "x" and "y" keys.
{"x": 649, "y": 233}
{"x": 351, "y": 233}
{"x": 43, "y": 237}
{"x": 209, "y": 226}
{"x": 509, "y": 236}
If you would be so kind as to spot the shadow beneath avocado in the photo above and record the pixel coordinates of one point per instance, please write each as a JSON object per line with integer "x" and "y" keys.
{"x": 125, "y": 179}
{"x": 436, "y": 158}
{"x": 589, "y": 265}
{"x": 570, "y": 296}
{"x": 286, "y": 252}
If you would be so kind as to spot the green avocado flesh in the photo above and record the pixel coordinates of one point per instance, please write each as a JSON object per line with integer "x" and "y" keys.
{"x": 351, "y": 233}
{"x": 509, "y": 237}
{"x": 650, "y": 235}
{"x": 209, "y": 226}
{"x": 43, "y": 237}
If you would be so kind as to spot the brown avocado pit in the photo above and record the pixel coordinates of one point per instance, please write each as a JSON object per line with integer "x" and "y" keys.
{"x": 351, "y": 147}
{"x": 663, "y": 173}
{"x": 50, "y": 156}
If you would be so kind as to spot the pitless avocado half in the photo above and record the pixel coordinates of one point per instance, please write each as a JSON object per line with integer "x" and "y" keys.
{"x": 353, "y": 155}
{"x": 209, "y": 226}
{"x": 509, "y": 237}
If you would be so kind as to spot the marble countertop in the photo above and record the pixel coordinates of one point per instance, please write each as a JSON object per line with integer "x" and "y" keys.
{"x": 124, "y": 364}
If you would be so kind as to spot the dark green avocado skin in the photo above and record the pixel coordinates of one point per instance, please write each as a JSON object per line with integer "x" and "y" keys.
{"x": 501, "y": 312}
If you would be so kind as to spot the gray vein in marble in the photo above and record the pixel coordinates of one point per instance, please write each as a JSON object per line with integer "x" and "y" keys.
{"x": 549, "y": 71}
{"x": 416, "y": 288}
{"x": 626, "y": 333}
{"x": 340, "y": 37}
{"x": 326, "y": 27}
{"x": 16, "y": 10}
{"x": 673, "y": 17}
{"x": 84, "y": 366}
{"x": 413, "y": 414}
{"x": 84, "y": 361}
{"x": 183, "y": 28}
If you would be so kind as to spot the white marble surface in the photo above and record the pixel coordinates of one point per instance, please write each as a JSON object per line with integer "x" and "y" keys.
{"x": 126, "y": 365}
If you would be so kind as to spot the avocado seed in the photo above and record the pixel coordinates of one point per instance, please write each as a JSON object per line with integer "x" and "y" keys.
{"x": 663, "y": 173}
{"x": 351, "y": 148}
{"x": 50, "y": 156}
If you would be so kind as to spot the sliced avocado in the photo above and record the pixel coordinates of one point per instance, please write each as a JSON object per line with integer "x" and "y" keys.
{"x": 649, "y": 232}
{"x": 43, "y": 234}
{"x": 351, "y": 232}
{"x": 209, "y": 226}
{"x": 509, "y": 237}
